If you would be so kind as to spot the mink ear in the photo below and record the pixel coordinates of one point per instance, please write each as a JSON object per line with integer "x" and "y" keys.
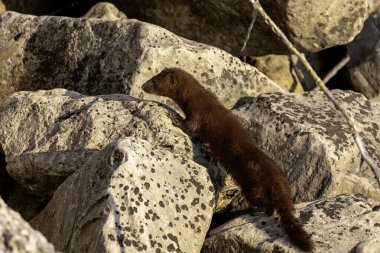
{"x": 172, "y": 80}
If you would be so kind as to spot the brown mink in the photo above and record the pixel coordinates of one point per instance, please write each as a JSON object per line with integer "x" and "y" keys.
{"x": 262, "y": 182}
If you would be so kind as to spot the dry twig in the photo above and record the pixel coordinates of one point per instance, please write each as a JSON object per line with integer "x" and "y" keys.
{"x": 336, "y": 69}
{"x": 322, "y": 86}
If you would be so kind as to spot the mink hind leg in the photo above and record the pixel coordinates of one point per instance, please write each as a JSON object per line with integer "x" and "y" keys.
{"x": 260, "y": 197}
{"x": 270, "y": 200}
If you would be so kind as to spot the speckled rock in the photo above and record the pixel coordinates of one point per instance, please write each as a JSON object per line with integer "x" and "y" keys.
{"x": 104, "y": 10}
{"x": 312, "y": 142}
{"x": 336, "y": 225}
{"x": 365, "y": 58}
{"x": 280, "y": 69}
{"x": 16, "y": 235}
{"x": 131, "y": 197}
{"x": 95, "y": 56}
{"x": 47, "y": 135}
{"x": 312, "y": 25}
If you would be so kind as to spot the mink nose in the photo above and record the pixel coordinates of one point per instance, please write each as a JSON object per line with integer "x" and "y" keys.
{"x": 146, "y": 86}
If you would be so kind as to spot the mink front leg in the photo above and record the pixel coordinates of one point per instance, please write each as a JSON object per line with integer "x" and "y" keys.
{"x": 191, "y": 128}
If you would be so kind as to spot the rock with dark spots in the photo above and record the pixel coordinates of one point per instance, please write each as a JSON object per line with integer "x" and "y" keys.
{"x": 311, "y": 25}
{"x": 98, "y": 56}
{"x": 365, "y": 58}
{"x": 311, "y": 141}
{"x": 16, "y": 235}
{"x": 113, "y": 211}
{"x": 47, "y": 135}
{"x": 335, "y": 224}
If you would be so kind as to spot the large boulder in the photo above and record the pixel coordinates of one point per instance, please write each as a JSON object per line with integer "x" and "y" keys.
{"x": 97, "y": 56}
{"x": 16, "y": 235}
{"x": 311, "y": 25}
{"x": 47, "y": 135}
{"x": 336, "y": 225}
{"x": 131, "y": 197}
{"x": 313, "y": 143}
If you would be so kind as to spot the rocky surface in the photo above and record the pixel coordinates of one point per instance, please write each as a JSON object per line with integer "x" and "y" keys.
{"x": 368, "y": 246}
{"x": 96, "y": 56}
{"x": 365, "y": 58}
{"x": 104, "y": 10}
{"x": 224, "y": 23}
{"x": 16, "y": 235}
{"x": 131, "y": 197}
{"x": 280, "y": 69}
{"x": 335, "y": 224}
{"x": 312, "y": 142}
{"x": 47, "y": 135}
{"x": 100, "y": 167}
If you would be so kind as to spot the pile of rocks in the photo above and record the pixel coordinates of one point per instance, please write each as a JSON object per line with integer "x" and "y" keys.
{"x": 96, "y": 165}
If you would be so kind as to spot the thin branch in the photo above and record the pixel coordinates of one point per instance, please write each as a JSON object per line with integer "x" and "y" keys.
{"x": 254, "y": 15}
{"x": 336, "y": 69}
{"x": 322, "y": 86}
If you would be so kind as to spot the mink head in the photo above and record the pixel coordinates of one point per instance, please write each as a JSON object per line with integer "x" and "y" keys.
{"x": 163, "y": 84}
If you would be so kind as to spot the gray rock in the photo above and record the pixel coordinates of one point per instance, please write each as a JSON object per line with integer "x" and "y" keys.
{"x": 335, "y": 224}
{"x": 47, "y": 135}
{"x": 104, "y": 10}
{"x": 16, "y": 235}
{"x": 312, "y": 142}
{"x": 365, "y": 57}
{"x": 131, "y": 197}
{"x": 95, "y": 56}
{"x": 312, "y": 25}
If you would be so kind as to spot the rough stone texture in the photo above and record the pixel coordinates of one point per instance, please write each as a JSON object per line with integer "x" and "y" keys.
{"x": 16, "y": 235}
{"x": 368, "y": 246}
{"x": 313, "y": 143}
{"x": 365, "y": 58}
{"x": 95, "y": 56}
{"x": 280, "y": 69}
{"x": 312, "y": 25}
{"x": 336, "y": 224}
{"x": 47, "y": 135}
{"x": 104, "y": 10}
{"x": 319, "y": 23}
{"x": 131, "y": 197}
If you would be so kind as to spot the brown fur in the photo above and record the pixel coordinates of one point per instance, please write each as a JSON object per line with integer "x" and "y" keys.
{"x": 262, "y": 181}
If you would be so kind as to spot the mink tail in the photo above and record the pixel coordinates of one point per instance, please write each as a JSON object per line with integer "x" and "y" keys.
{"x": 294, "y": 230}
